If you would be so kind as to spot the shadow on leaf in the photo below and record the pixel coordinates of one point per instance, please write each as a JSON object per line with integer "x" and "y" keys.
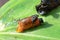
{"x": 54, "y": 13}
{"x": 45, "y": 25}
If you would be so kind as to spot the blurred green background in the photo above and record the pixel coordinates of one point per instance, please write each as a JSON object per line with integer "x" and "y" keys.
{"x": 18, "y": 9}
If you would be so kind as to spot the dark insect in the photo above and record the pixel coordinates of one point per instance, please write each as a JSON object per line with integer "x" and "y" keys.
{"x": 46, "y": 6}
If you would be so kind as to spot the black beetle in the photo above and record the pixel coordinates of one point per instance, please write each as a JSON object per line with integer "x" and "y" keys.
{"x": 46, "y": 6}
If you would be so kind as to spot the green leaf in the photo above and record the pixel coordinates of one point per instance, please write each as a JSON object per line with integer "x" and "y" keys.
{"x": 19, "y": 9}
